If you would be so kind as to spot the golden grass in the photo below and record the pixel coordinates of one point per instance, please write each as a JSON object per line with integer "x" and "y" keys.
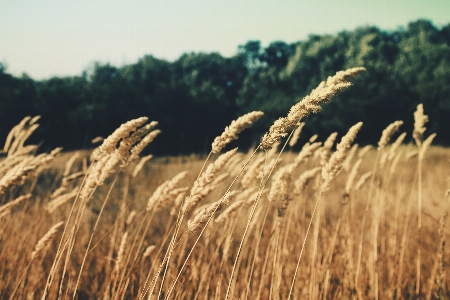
{"x": 355, "y": 223}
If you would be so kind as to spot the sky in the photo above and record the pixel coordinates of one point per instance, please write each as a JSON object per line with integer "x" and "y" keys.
{"x": 45, "y": 38}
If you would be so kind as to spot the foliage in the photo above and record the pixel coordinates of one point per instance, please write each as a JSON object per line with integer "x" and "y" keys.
{"x": 201, "y": 92}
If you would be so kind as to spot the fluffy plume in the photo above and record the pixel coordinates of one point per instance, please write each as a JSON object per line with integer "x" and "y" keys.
{"x": 363, "y": 179}
{"x": 396, "y": 145}
{"x": 306, "y": 152}
{"x": 180, "y": 194}
{"x": 252, "y": 172}
{"x": 15, "y": 131}
{"x": 305, "y": 177}
{"x": 163, "y": 194}
{"x": 120, "y": 253}
{"x": 347, "y": 162}
{"x": 148, "y": 251}
{"x": 313, "y": 138}
{"x": 130, "y": 217}
{"x": 110, "y": 143}
{"x": 326, "y": 149}
{"x": 45, "y": 240}
{"x": 203, "y": 216}
{"x": 69, "y": 164}
{"x": 9, "y": 205}
{"x": 231, "y": 132}
{"x": 352, "y": 176}
{"x": 364, "y": 151}
{"x": 333, "y": 166}
{"x": 205, "y": 179}
{"x": 296, "y": 134}
{"x": 60, "y": 200}
{"x": 419, "y": 124}
{"x": 143, "y": 143}
{"x": 140, "y": 165}
{"x": 279, "y": 191}
{"x": 229, "y": 211}
{"x": 395, "y": 163}
{"x": 425, "y": 145}
{"x": 310, "y": 104}
{"x": 387, "y": 133}
{"x": 21, "y": 168}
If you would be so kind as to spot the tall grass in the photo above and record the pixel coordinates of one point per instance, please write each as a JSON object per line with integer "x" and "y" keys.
{"x": 350, "y": 223}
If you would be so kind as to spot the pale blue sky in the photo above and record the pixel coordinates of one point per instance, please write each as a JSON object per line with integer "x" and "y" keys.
{"x": 55, "y": 37}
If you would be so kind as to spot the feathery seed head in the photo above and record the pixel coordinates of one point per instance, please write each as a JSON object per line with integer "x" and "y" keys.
{"x": 306, "y": 152}
{"x": 363, "y": 179}
{"x": 279, "y": 191}
{"x": 162, "y": 195}
{"x": 425, "y": 145}
{"x": 46, "y": 240}
{"x": 304, "y": 178}
{"x": 226, "y": 214}
{"x": 205, "y": 179}
{"x": 326, "y": 149}
{"x": 313, "y": 138}
{"x": 110, "y": 143}
{"x": 252, "y": 172}
{"x": 231, "y": 132}
{"x": 206, "y": 213}
{"x": 387, "y": 133}
{"x": 296, "y": 134}
{"x": 395, "y": 146}
{"x": 140, "y": 165}
{"x": 364, "y": 151}
{"x": 351, "y": 154}
{"x": 419, "y": 124}
{"x": 352, "y": 176}
{"x": 148, "y": 250}
{"x": 333, "y": 166}
{"x": 310, "y": 104}
{"x": 120, "y": 253}
{"x": 136, "y": 150}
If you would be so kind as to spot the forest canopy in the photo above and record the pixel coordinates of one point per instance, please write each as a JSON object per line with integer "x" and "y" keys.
{"x": 194, "y": 97}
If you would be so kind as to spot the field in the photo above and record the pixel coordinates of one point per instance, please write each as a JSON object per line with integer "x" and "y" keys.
{"x": 331, "y": 221}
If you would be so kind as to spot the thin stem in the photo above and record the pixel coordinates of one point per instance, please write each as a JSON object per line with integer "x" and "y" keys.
{"x": 252, "y": 212}
{"x": 92, "y": 235}
{"x": 358, "y": 263}
{"x": 210, "y": 218}
{"x": 304, "y": 242}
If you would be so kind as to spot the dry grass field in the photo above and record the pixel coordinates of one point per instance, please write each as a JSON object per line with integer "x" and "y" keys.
{"x": 331, "y": 221}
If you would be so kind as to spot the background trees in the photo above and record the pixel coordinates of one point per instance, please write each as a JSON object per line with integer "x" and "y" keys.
{"x": 197, "y": 95}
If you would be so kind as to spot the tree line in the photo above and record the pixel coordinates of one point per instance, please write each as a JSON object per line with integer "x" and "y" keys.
{"x": 194, "y": 97}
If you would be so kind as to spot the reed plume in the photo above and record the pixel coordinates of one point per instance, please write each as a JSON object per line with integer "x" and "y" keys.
{"x": 110, "y": 143}
{"x": 231, "y": 132}
{"x": 306, "y": 152}
{"x": 279, "y": 191}
{"x": 387, "y": 133}
{"x": 304, "y": 178}
{"x": 199, "y": 189}
{"x": 352, "y": 176}
{"x": 45, "y": 240}
{"x": 363, "y": 179}
{"x": 205, "y": 214}
{"x": 7, "y": 207}
{"x": 308, "y": 105}
{"x": 333, "y": 166}
{"x": 140, "y": 165}
{"x": 163, "y": 194}
{"x": 419, "y": 124}
{"x": 296, "y": 134}
{"x": 326, "y": 149}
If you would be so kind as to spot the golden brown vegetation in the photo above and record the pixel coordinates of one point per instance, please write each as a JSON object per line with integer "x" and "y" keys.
{"x": 354, "y": 223}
